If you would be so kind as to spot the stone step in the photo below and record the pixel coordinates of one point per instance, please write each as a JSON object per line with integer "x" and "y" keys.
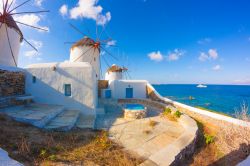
{"x": 86, "y": 121}
{"x": 65, "y": 121}
{"x": 35, "y": 114}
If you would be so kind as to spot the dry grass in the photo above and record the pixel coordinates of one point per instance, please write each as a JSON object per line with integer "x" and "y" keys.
{"x": 32, "y": 146}
{"x": 230, "y": 145}
{"x": 152, "y": 123}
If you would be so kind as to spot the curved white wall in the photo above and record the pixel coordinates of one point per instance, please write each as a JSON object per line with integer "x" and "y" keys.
{"x": 113, "y": 76}
{"x": 5, "y": 52}
{"x": 89, "y": 54}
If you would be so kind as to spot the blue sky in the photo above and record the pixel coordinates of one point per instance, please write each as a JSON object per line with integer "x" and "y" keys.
{"x": 170, "y": 41}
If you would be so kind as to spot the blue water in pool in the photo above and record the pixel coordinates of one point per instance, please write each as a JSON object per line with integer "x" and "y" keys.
{"x": 134, "y": 107}
{"x": 221, "y": 98}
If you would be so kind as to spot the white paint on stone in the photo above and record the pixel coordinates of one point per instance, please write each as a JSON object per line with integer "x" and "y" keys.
{"x": 118, "y": 88}
{"x": 86, "y": 54}
{"x": 5, "y": 52}
{"x": 51, "y": 79}
{"x": 113, "y": 76}
{"x": 5, "y": 160}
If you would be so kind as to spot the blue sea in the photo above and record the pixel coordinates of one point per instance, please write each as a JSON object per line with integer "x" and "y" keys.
{"x": 220, "y": 98}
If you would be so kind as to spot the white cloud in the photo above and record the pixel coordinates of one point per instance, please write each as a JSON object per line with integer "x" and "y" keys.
{"x": 204, "y": 41}
{"x": 216, "y": 68}
{"x": 175, "y": 55}
{"x": 244, "y": 81}
{"x": 89, "y": 9}
{"x": 33, "y": 53}
{"x": 111, "y": 43}
{"x": 38, "y": 3}
{"x": 64, "y": 10}
{"x": 155, "y": 56}
{"x": 211, "y": 55}
{"x": 31, "y": 19}
{"x": 203, "y": 56}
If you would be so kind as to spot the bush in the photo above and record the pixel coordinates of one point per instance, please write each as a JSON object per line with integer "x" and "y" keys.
{"x": 167, "y": 111}
{"x": 209, "y": 138}
{"x": 177, "y": 114}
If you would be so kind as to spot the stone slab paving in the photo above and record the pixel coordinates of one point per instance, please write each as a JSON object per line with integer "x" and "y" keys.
{"x": 65, "y": 121}
{"x": 139, "y": 137}
{"x": 35, "y": 114}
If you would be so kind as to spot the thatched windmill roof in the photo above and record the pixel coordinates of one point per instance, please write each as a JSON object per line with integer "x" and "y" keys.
{"x": 86, "y": 41}
{"x": 9, "y": 21}
{"x": 115, "y": 68}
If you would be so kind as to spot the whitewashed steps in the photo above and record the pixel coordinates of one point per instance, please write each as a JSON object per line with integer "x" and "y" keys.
{"x": 65, "y": 121}
{"x": 86, "y": 121}
{"x": 35, "y": 114}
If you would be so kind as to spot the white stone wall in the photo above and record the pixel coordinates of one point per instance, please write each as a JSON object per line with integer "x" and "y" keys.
{"x": 118, "y": 88}
{"x": 86, "y": 54}
{"x": 50, "y": 81}
{"x": 5, "y": 52}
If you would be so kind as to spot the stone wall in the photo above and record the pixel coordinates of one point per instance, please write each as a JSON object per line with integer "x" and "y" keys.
{"x": 102, "y": 84}
{"x": 11, "y": 83}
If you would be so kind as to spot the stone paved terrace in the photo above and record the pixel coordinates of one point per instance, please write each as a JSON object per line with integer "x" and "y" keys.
{"x": 137, "y": 136}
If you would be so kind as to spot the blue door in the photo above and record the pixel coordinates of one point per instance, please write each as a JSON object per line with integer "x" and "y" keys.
{"x": 129, "y": 92}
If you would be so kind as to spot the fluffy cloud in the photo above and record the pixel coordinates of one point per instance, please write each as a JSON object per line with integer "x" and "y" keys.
{"x": 175, "y": 55}
{"x": 38, "y": 3}
{"x": 63, "y": 10}
{"x": 90, "y": 10}
{"x": 111, "y": 43}
{"x": 155, "y": 56}
{"x": 31, "y": 19}
{"x": 211, "y": 55}
{"x": 204, "y": 41}
{"x": 216, "y": 68}
{"x": 33, "y": 53}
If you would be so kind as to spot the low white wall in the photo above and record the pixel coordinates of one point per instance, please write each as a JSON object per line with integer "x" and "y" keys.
{"x": 50, "y": 81}
{"x": 118, "y": 88}
{"x": 202, "y": 112}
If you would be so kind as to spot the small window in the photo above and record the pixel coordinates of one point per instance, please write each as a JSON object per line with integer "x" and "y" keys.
{"x": 67, "y": 89}
{"x": 34, "y": 79}
{"x": 94, "y": 59}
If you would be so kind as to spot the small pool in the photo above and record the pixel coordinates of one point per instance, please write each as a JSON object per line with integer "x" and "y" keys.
{"x": 134, "y": 107}
{"x": 134, "y": 111}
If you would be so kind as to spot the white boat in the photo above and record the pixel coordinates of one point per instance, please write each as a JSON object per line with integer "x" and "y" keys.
{"x": 201, "y": 86}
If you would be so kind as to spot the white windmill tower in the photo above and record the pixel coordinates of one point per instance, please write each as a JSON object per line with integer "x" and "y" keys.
{"x": 89, "y": 50}
{"x": 115, "y": 73}
{"x": 10, "y": 34}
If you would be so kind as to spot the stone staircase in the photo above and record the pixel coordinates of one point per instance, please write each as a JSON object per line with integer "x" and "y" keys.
{"x": 49, "y": 117}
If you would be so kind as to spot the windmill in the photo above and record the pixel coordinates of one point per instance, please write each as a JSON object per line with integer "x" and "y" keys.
{"x": 115, "y": 72}
{"x": 11, "y": 36}
{"x": 89, "y": 50}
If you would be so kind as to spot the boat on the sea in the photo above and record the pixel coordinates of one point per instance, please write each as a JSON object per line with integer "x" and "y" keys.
{"x": 201, "y": 86}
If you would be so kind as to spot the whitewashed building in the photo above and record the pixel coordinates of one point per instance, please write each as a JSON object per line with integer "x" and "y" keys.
{"x": 71, "y": 84}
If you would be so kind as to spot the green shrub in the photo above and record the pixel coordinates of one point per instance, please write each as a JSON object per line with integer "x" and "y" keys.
{"x": 177, "y": 114}
{"x": 209, "y": 138}
{"x": 167, "y": 111}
